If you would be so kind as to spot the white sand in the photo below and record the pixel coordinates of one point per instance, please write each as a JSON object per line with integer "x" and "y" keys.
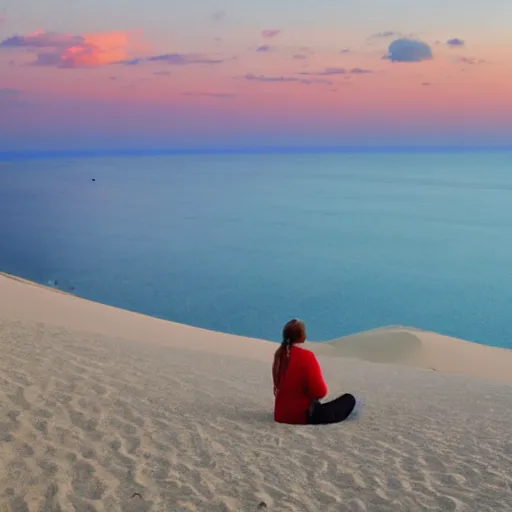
{"x": 97, "y": 404}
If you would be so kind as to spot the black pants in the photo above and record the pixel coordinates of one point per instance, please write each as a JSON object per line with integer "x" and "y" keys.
{"x": 334, "y": 411}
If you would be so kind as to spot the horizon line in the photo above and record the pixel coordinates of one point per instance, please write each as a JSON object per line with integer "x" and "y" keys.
{"x": 9, "y": 155}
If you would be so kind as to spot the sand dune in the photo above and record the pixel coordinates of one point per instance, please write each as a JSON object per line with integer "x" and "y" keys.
{"x": 423, "y": 349}
{"x": 27, "y": 301}
{"x": 106, "y": 410}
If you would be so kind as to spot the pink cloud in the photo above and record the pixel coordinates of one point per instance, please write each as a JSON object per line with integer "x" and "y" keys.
{"x": 285, "y": 79}
{"x": 338, "y": 71}
{"x": 42, "y": 39}
{"x": 270, "y": 33}
{"x": 470, "y": 60}
{"x": 74, "y": 51}
{"x": 182, "y": 59}
{"x": 220, "y": 95}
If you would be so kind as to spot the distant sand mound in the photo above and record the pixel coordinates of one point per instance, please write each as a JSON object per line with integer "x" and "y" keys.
{"x": 422, "y": 349}
{"x": 387, "y": 345}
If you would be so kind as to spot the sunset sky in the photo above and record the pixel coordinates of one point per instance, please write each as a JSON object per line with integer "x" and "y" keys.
{"x": 118, "y": 74}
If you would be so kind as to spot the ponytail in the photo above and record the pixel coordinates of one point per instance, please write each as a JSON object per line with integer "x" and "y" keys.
{"x": 281, "y": 359}
{"x": 294, "y": 331}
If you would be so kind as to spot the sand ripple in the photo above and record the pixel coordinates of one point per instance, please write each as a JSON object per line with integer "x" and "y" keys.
{"x": 96, "y": 424}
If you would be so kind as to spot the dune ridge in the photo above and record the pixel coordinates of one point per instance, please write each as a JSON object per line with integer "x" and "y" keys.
{"x": 423, "y": 349}
{"x": 108, "y": 410}
{"x": 391, "y": 345}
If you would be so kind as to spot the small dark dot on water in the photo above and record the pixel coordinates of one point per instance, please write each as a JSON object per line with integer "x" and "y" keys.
{"x": 94, "y": 179}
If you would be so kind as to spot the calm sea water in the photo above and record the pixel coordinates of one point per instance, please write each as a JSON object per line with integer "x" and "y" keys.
{"x": 242, "y": 243}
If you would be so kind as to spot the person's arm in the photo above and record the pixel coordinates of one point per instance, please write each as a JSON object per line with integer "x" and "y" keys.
{"x": 315, "y": 383}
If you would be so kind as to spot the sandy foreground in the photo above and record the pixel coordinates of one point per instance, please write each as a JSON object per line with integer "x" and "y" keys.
{"x": 106, "y": 410}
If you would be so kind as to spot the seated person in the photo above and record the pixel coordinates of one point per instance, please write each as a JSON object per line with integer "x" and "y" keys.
{"x": 299, "y": 384}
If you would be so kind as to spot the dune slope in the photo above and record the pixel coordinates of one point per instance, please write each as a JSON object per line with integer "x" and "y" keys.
{"x": 423, "y": 349}
{"x": 105, "y": 410}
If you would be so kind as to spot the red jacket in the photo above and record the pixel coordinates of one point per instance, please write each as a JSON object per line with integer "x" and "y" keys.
{"x": 301, "y": 383}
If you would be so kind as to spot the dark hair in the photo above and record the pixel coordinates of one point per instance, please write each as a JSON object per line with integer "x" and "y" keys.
{"x": 293, "y": 331}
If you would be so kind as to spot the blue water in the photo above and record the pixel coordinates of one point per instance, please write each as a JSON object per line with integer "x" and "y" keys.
{"x": 242, "y": 243}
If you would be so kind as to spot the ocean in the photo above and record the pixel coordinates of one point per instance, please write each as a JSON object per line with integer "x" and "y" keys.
{"x": 241, "y": 243}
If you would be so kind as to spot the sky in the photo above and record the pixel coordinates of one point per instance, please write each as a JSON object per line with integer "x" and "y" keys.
{"x": 228, "y": 74}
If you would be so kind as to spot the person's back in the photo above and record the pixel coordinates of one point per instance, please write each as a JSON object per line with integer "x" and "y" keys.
{"x": 299, "y": 384}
